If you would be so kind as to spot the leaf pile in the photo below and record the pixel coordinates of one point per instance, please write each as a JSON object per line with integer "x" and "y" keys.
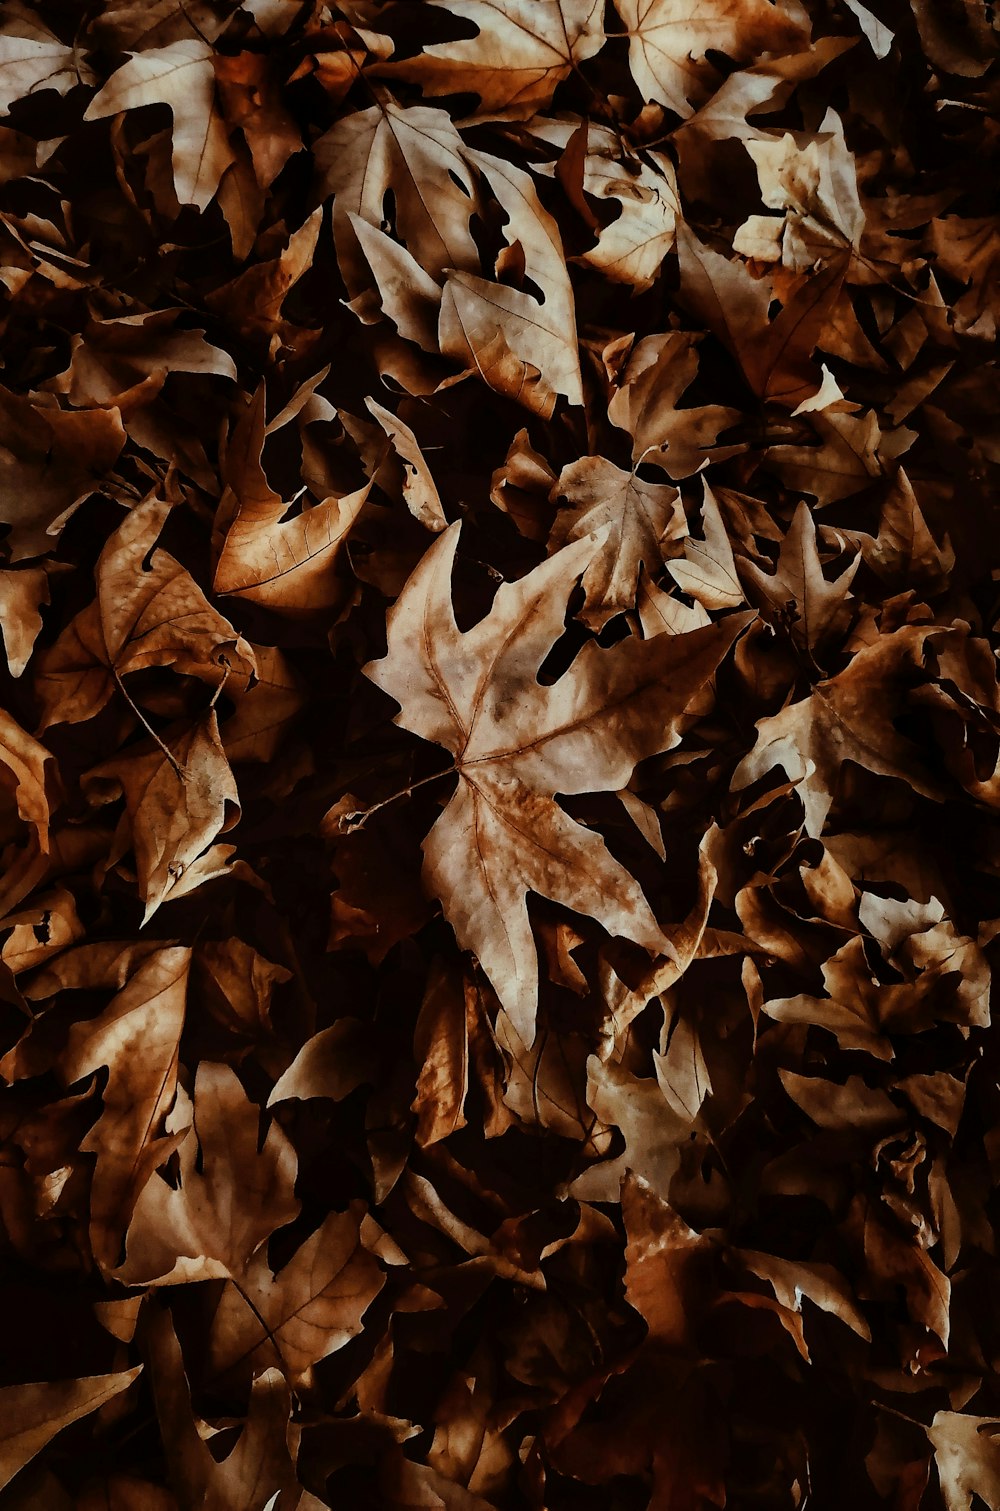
{"x": 499, "y": 755}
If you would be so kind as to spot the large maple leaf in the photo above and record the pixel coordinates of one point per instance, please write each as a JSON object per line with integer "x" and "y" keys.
{"x": 181, "y": 76}
{"x": 669, "y": 43}
{"x": 517, "y": 743}
{"x": 522, "y": 49}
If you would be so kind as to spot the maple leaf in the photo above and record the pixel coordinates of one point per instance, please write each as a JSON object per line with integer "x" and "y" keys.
{"x": 248, "y": 1472}
{"x": 419, "y": 489}
{"x": 905, "y": 551}
{"x": 285, "y": 564}
{"x": 148, "y": 612}
{"x": 516, "y": 743}
{"x": 263, "y": 709}
{"x": 846, "y": 460}
{"x": 534, "y": 333}
{"x": 136, "y": 1037}
{"x": 255, "y": 297}
{"x": 797, "y": 594}
{"x": 312, "y": 1306}
{"x": 774, "y": 354}
{"x": 967, "y": 1455}
{"x": 182, "y": 77}
{"x": 632, "y": 248}
{"x": 417, "y": 156}
{"x": 225, "y": 1205}
{"x": 655, "y": 375}
{"x": 23, "y": 763}
{"x": 641, "y": 519}
{"x": 522, "y": 49}
{"x": 30, "y": 64}
{"x": 708, "y": 572}
{"x": 21, "y": 596}
{"x": 51, "y": 460}
{"x": 33, "y": 1414}
{"x": 847, "y": 718}
{"x": 669, "y": 43}
{"x": 177, "y": 796}
{"x": 816, "y": 187}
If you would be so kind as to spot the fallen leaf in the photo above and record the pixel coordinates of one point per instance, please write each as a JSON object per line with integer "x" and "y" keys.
{"x": 516, "y": 743}
{"x": 182, "y": 77}
{"x": 33, "y": 1414}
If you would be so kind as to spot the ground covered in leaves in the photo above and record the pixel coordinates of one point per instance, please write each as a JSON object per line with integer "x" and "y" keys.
{"x": 499, "y": 755}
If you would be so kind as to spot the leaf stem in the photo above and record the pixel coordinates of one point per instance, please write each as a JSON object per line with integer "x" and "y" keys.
{"x": 353, "y": 822}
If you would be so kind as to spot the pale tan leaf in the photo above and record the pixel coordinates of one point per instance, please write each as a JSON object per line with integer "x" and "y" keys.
{"x": 669, "y": 43}
{"x": 181, "y": 76}
{"x": 522, "y": 49}
{"x": 516, "y": 743}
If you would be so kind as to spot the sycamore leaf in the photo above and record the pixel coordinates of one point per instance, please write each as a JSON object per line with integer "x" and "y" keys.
{"x": 51, "y": 459}
{"x": 502, "y": 335}
{"x": 31, "y": 1415}
{"x": 814, "y": 184}
{"x": 597, "y": 163}
{"x": 681, "y": 441}
{"x": 822, "y": 1284}
{"x": 312, "y": 1306}
{"x": 441, "y": 1048}
{"x": 967, "y": 1454}
{"x": 775, "y": 354}
{"x": 540, "y": 332}
{"x": 136, "y": 1037}
{"x": 522, "y": 49}
{"x": 641, "y": 518}
{"x": 288, "y": 565}
{"x": 543, "y": 329}
{"x": 708, "y": 572}
{"x": 419, "y": 488}
{"x": 517, "y": 743}
{"x": 632, "y": 248}
{"x": 797, "y": 594}
{"x": 244, "y": 1477}
{"x": 665, "y": 1263}
{"x": 23, "y": 764}
{"x": 225, "y": 1205}
{"x": 847, "y": 718}
{"x": 181, "y": 76}
{"x": 669, "y": 43}
{"x": 905, "y": 551}
{"x": 263, "y": 709}
{"x": 178, "y": 797}
{"x": 846, "y": 460}
{"x": 333, "y": 1063}
{"x": 415, "y": 154}
{"x": 149, "y": 612}
{"x": 31, "y": 64}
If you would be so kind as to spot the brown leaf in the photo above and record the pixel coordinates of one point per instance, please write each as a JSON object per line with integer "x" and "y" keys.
{"x": 230, "y": 1198}
{"x": 640, "y": 518}
{"x": 522, "y": 49}
{"x": 309, "y": 1308}
{"x": 181, "y": 76}
{"x": 179, "y": 798}
{"x": 136, "y": 1037}
{"x": 51, "y": 460}
{"x": 668, "y": 45}
{"x": 33, "y": 1414}
{"x": 797, "y": 595}
{"x": 967, "y": 1454}
{"x": 288, "y": 565}
{"x": 516, "y": 743}
{"x": 149, "y": 612}
{"x": 848, "y": 718}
